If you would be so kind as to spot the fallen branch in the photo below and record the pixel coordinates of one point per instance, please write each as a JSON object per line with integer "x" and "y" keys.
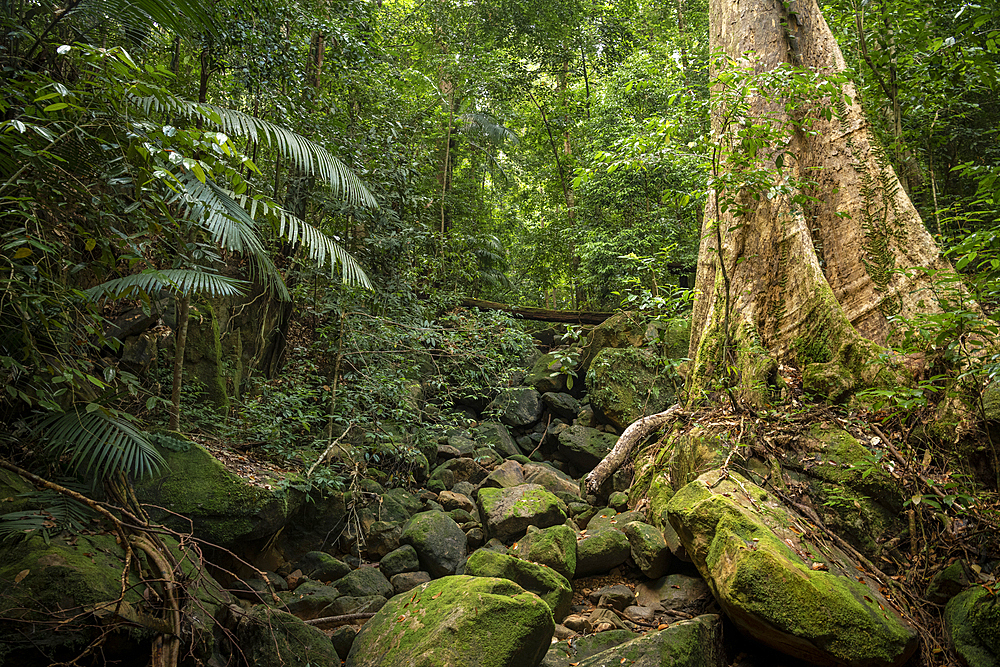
{"x": 340, "y": 620}
{"x": 634, "y": 434}
{"x": 328, "y": 450}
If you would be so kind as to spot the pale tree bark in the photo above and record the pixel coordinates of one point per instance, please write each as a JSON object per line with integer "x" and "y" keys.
{"x": 813, "y": 284}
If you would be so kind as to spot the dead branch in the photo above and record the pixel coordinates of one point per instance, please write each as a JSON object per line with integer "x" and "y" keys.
{"x": 634, "y": 434}
{"x": 344, "y": 619}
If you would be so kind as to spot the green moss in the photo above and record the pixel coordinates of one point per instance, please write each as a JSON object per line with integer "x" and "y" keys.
{"x": 473, "y": 621}
{"x": 553, "y": 588}
{"x": 222, "y": 506}
{"x": 973, "y": 621}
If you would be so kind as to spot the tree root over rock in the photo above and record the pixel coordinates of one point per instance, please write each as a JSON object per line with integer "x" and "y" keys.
{"x": 632, "y": 436}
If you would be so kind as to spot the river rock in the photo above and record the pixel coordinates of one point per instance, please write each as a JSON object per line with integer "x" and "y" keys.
{"x": 545, "y": 375}
{"x": 617, "y": 596}
{"x": 507, "y": 513}
{"x": 403, "y": 559}
{"x": 497, "y": 437}
{"x": 517, "y": 406}
{"x": 972, "y": 619}
{"x": 449, "y": 473}
{"x": 564, "y": 654}
{"x": 675, "y": 591}
{"x": 271, "y": 637}
{"x": 439, "y": 542}
{"x": 321, "y": 566}
{"x": 544, "y": 582}
{"x": 562, "y": 404}
{"x": 585, "y": 447}
{"x": 382, "y": 537}
{"x": 504, "y": 476}
{"x": 407, "y": 580}
{"x": 694, "y": 643}
{"x": 627, "y": 384}
{"x": 649, "y": 550}
{"x": 309, "y": 599}
{"x": 553, "y": 547}
{"x": 600, "y": 552}
{"x": 553, "y": 480}
{"x": 364, "y": 581}
{"x": 778, "y": 587}
{"x": 459, "y": 620}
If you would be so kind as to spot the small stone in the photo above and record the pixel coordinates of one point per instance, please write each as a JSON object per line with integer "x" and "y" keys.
{"x": 642, "y": 614}
{"x": 577, "y": 623}
{"x": 408, "y": 580}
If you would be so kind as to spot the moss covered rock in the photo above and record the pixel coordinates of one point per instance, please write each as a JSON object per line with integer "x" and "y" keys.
{"x": 271, "y": 638}
{"x": 507, "y": 513}
{"x": 544, "y": 582}
{"x": 517, "y": 406}
{"x": 224, "y": 508}
{"x": 649, "y": 550}
{"x": 585, "y": 447}
{"x": 58, "y": 595}
{"x": 563, "y": 654}
{"x": 777, "y": 586}
{"x": 694, "y": 643}
{"x": 545, "y": 374}
{"x": 599, "y": 552}
{"x": 439, "y": 542}
{"x": 496, "y": 436}
{"x": 458, "y": 621}
{"x": 553, "y": 480}
{"x": 972, "y": 619}
{"x": 553, "y": 547}
{"x": 628, "y": 383}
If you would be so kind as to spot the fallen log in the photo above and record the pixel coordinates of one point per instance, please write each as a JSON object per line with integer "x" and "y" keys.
{"x": 540, "y": 314}
{"x": 632, "y": 436}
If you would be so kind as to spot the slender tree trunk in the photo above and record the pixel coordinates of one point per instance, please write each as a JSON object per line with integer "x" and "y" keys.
{"x": 815, "y": 285}
{"x": 183, "y": 308}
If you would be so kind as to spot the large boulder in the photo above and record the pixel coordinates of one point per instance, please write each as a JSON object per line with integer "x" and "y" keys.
{"x": 457, "y": 621}
{"x": 517, "y": 406}
{"x": 972, "y": 619}
{"x": 496, "y": 436}
{"x": 546, "y": 374}
{"x": 271, "y": 638}
{"x": 553, "y": 480}
{"x": 600, "y": 552}
{"x": 223, "y": 508}
{"x": 321, "y": 566}
{"x": 628, "y": 383}
{"x": 439, "y": 542}
{"x": 585, "y": 447}
{"x": 553, "y": 547}
{"x": 693, "y": 643}
{"x": 364, "y": 582}
{"x": 62, "y": 593}
{"x": 544, "y": 582}
{"x": 649, "y": 550}
{"x": 452, "y": 472}
{"x": 777, "y": 586}
{"x": 566, "y": 654}
{"x": 504, "y": 476}
{"x": 507, "y": 513}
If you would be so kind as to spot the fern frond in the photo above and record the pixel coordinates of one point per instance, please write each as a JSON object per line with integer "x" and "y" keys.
{"x": 478, "y": 122}
{"x": 185, "y": 17}
{"x": 231, "y": 226}
{"x": 147, "y": 284}
{"x": 318, "y": 246}
{"x": 55, "y": 512}
{"x": 306, "y": 155}
{"x": 100, "y": 443}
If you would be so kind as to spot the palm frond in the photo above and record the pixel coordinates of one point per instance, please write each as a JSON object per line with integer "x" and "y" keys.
{"x": 100, "y": 443}
{"x": 306, "y": 155}
{"x": 486, "y": 125}
{"x": 185, "y": 17}
{"x": 232, "y": 228}
{"x": 147, "y": 284}
{"x": 56, "y": 512}
{"x": 318, "y": 246}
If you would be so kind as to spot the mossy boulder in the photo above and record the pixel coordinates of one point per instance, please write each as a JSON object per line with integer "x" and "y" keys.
{"x": 439, "y": 542}
{"x": 223, "y": 508}
{"x": 649, "y": 550}
{"x": 403, "y": 559}
{"x": 309, "y": 600}
{"x": 75, "y": 583}
{"x": 12, "y": 487}
{"x": 504, "y": 476}
{"x": 458, "y": 621}
{"x": 693, "y": 643}
{"x": 618, "y": 331}
{"x": 625, "y": 384}
{"x": 546, "y": 583}
{"x": 517, "y": 406}
{"x": 507, "y": 513}
{"x": 271, "y": 638}
{"x": 553, "y": 480}
{"x": 321, "y": 566}
{"x": 545, "y": 374}
{"x": 450, "y": 473}
{"x": 828, "y": 381}
{"x": 600, "y": 552}
{"x": 496, "y": 436}
{"x": 972, "y": 619}
{"x": 585, "y": 447}
{"x": 553, "y": 547}
{"x": 364, "y": 582}
{"x": 794, "y": 595}
{"x": 563, "y": 654}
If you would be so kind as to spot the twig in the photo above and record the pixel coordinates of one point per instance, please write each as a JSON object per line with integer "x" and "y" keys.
{"x": 343, "y": 619}
{"x": 328, "y": 450}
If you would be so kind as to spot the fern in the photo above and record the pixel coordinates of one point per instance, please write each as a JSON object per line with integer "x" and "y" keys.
{"x": 147, "y": 284}
{"x": 100, "y": 443}
{"x": 306, "y": 155}
{"x": 56, "y": 512}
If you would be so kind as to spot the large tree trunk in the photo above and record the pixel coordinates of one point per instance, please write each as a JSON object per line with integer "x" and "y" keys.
{"x": 815, "y": 283}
